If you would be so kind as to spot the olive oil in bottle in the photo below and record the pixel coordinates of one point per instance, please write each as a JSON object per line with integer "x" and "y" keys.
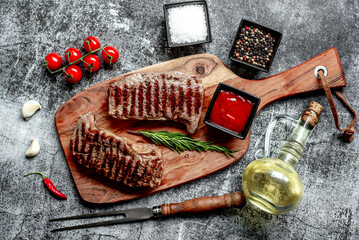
{"x": 272, "y": 184}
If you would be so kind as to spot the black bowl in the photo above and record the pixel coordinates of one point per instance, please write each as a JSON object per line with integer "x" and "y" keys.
{"x": 255, "y": 101}
{"x": 276, "y": 35}
{"x": 168, "y": 6}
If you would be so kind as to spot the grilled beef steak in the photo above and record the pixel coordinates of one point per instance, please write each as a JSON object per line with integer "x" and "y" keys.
{"x": 116, "y": 158}
{"x": 152, "y": 96}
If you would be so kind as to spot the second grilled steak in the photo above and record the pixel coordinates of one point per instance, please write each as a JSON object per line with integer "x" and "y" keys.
{"x": 158, "y": 96}
{"x": 114, "y": 157}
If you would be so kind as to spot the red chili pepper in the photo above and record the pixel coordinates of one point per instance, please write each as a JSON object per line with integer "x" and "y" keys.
{"x": 49, "y": 185}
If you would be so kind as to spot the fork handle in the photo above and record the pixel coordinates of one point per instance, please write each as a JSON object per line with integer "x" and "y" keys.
{"x": 204, "y": 204}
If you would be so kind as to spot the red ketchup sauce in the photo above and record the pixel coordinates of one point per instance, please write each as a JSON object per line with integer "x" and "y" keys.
{"x": 231, "y": 111}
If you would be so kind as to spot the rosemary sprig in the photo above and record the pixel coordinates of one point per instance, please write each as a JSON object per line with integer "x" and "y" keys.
{"x": 180, "y": 142}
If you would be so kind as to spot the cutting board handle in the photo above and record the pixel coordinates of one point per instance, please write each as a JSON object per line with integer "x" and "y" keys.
{"x": 299, "y": 79}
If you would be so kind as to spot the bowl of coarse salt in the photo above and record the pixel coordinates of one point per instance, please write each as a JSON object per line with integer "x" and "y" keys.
{"x": 187, "y": 23}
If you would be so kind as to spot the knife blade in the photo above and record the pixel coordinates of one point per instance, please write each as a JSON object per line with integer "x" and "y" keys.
{"x": 196, "y": 205}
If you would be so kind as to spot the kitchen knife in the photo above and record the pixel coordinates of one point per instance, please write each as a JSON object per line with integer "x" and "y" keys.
{"x": 196, "y": 205}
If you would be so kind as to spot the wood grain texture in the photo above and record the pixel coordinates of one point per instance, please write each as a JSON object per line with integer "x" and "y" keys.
{"x": 188, "y": 166}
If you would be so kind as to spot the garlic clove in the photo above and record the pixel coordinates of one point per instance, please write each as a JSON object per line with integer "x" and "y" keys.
{"x": 29, "y": 108}
{"x": 34, "y": 148}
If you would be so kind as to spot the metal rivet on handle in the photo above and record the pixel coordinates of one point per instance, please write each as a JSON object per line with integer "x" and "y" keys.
{"x": 317, "y": 69}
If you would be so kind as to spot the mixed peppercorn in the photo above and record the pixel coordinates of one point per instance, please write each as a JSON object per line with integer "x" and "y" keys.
{"x": 254, "y": 46}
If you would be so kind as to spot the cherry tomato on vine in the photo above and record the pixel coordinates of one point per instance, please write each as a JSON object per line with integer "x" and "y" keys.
{"x": 110, "y": 54}
{"x": 91, "y": 43}
{"x": 72, "y": 54}
{"x": 91, "y": 63}
{"x": 73, "y": 74}
{"x": 53, "y": 61}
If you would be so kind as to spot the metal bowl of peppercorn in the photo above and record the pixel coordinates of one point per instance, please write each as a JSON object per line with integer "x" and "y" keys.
{"x": 255, "y": 45}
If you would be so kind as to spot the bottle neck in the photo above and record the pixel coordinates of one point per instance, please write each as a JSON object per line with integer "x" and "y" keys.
{"x": 292, "y": 150}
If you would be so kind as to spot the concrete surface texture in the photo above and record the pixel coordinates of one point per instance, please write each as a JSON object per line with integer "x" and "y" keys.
{"x": 329, "y": 167}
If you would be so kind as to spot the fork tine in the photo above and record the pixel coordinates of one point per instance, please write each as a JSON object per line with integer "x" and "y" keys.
{"x": 92, "y": 215}
{"x": 96, "y": 224}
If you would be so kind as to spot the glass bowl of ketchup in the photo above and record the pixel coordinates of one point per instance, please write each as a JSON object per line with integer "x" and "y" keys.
{"x": 232, "y": 111}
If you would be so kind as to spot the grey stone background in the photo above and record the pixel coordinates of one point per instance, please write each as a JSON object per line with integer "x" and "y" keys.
{"x": 32, "y": 29}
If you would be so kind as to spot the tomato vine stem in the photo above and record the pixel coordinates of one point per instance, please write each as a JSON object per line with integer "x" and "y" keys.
{"x": 88, "y": 43}
{"x": 78, "y": 60}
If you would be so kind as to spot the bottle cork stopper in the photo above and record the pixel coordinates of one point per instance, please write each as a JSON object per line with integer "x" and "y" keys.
{"x": 312, "y": 113}
{"x": 316, "y": 107}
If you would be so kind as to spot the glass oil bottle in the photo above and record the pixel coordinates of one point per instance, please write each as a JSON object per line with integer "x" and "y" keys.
{"x": 272, "y": 184}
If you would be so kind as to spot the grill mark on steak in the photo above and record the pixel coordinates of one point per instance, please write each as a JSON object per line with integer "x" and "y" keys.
{"x": 113, "y": 156}
{"x": 180, "y": 99}
{"x": 160, "y": 95}
{"x": 118, "y": 174}
{"x": 140, "y": 100}
{"x": 116, "y": 158}
{"x": 103, "y": 153}
{"x": 129, "y": 160}
{"x": 92, "y": 149}
{"x": 124, "y": 171}
{"x": 108, "y": 161}
{"x": 81, "y": 142}
{"x": 100, "y": 157}
{"x": 125, "y": 98}
{"x": 172, "y": 101}
{"x": 117, "y": 165}
{"x": 118, "y": 96}
{"x": 86, "y": 147}
{"x": 106, "y": 157}
{"x": 133, "y": 101}
{"x": 93, "y": 155}
{"x": 131, "y": 170}
{"x": 189, "y": 99}
{"x": 111, "y": 175}
{"x": 128, "y": 166}
{"x": 156, "y": 97}
{"x": 111, "y": 150}
{"x": 147, "y": 169}
{"x": 148, "y": 98}
{"x": 197, "y": 104}
{"x": 164, "y": 97}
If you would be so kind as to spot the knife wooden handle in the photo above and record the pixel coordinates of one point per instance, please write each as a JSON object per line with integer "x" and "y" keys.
{"x": 204, "y": 204}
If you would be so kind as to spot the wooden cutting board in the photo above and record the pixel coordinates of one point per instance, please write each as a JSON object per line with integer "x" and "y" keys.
{"x": 188, "y": 166}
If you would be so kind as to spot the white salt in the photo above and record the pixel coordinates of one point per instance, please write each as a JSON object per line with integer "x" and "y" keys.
{"x": 187, "y": 24}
